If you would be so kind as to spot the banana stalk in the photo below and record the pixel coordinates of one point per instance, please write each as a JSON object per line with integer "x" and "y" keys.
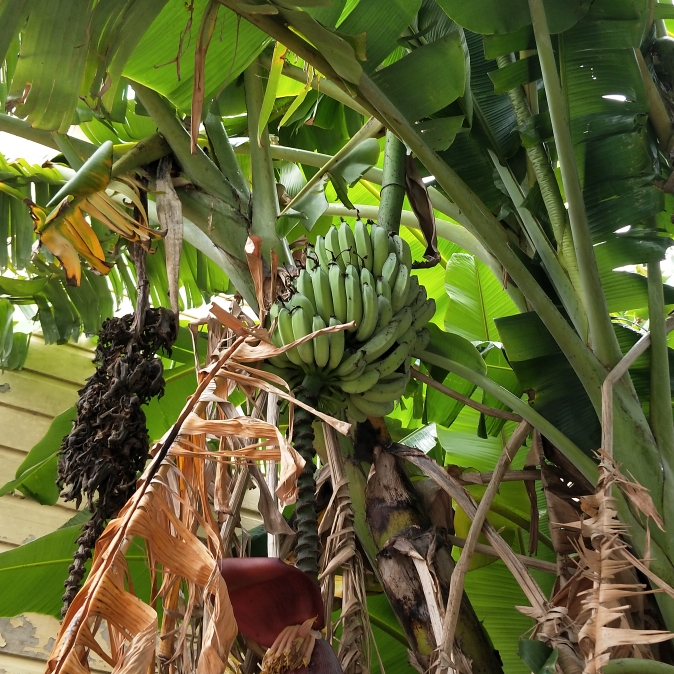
{"x": 307, "y": 547}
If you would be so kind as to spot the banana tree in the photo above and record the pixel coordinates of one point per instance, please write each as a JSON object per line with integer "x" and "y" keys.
{"x": 538, "y": 137}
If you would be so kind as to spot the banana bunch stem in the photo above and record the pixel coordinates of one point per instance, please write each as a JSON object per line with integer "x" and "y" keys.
{"x": 307, "y": 547}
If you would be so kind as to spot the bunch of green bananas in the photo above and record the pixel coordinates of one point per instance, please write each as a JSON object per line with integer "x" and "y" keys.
{"x": 363, "y": 276}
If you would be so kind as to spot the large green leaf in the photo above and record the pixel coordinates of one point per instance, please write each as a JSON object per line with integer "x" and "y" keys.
{"x": 554, "y": 389}
{"x": 43, "y": 565}
{"x": 495, "y": 16}
{"x": 51, "y": 64}
{"x": 418, "y": 72}
{"x": 382, "y": 21}
{"x": 155, "y": 60}
{"x": 476, "y": 298}
{"x": 493, "y": 114}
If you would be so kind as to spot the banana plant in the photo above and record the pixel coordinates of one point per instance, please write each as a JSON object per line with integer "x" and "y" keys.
{"x": 540, "y": 130}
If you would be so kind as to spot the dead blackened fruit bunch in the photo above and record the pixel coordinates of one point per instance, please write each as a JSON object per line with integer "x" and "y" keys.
{"x": 109, "y": 443}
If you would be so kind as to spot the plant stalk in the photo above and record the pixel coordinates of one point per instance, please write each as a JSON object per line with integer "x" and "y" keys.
{"x": 661, "y": 420}
{"x": 265, "y": 198}
{"x": 392, "y": 183}
{"x": 602, "y": 336}
{"x": 307, "y": 547}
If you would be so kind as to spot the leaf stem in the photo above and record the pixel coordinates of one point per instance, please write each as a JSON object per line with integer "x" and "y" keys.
{"x": 265, "y": 198}
{"x": 602, "y": 336}
{"x": 223, "y": 151}
{"x": 661, "y": 421}
{"x": 392, "y": 183}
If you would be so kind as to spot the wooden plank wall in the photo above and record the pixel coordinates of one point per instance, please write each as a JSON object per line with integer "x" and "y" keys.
{"x": 46, "y": 386}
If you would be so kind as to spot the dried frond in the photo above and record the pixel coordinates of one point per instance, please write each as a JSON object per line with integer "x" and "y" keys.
{"x": 340, "y": 552}
{"x": 602, "y": 625}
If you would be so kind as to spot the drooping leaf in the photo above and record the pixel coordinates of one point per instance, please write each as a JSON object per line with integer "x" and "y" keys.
{"x": 94, "y": 176}
{"x": 417, "y": 71}
{"x": 271, "y": 90}
{"x": 383, "y": 21}
{"x": 164, "y": 63}
{"x": 47, "y": 79}
{"x": 439, "y": 133}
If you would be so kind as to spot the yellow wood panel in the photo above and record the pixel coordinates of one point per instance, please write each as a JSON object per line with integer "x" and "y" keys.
{"x": 20, "y": 429}
{"x": 26, "y": 642}
{"x": 36, "y": 393}
{"x": 23, "y": 520}
{"x": 10, "y": 460}
{"x": 64, "y": 361}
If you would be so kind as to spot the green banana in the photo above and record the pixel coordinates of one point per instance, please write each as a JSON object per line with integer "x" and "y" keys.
{"x": 333, "y": 248}
{"x": 321, "y": 343}
{"x": 418, "y": 300}
{"x": 413, "y": 289}
{"x": 392, "y": 248}
{"x": 404, "y": 318}
{"x": 301, "y": 300}
{"x": 349, "y": 364}
{"x": 361, "y": 384}
{"x": 286, "y": 329}
{"x": 389, "y": 389}
{"x": 379, "y": 237}
{"x": 383, "y": 288}
{"x": 273, "y": 312}
{"x": 371, "y": 408}
{"x": 353, "y": 412}
{"x": 310, "y": 262}
{"x": 285, "y": 373}
{"x": 390, "y": 269}
{"x": 338, "y": 290}
{"x": 424, "y": 314}
{"x": 322, "y": 253}
{"x": 363, "y": 244}
{"x": 336, "y": 345}
{"x": 381, "y": 342}
{"x": 400, "y": 288}
{"x": 421, "y": 341}
{"x": 392, "y": 362}
{"x": 354, "y": 298}
{"x": 403, "y": 251}
{"x": 360, "y": 368}
{"x": 322, "y": 294}
{"x": 408, "y": 337}
{"x": 384, "y": 312}
{"x": 347, "y": 244}
{"x": 305, "y": 286}
{"x": 368, "y": 323}
{"x": 302, "y": 322}
{"x": 282, "y": 361}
